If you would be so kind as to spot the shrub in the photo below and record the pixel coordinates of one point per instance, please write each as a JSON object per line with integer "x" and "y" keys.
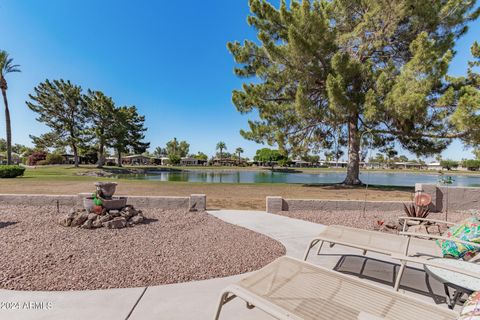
{"x": 11, "y": 171}
{"x": 449, "y": 164}
{"x": 54, "y": 158}
{"x": 36, "y": 156}
{"x": 42, "y": 163}
{"x": 471, "y": 164}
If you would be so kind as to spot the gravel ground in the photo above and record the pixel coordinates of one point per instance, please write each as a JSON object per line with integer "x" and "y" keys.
{"x": 356, "y": 219}
{"x": 173, "y": 246}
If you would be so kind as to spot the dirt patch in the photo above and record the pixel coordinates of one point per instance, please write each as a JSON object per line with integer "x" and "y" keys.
{"x": 172, "y": 246}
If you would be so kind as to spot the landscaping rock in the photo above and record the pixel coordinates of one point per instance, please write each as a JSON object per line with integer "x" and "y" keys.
{"x": 116, "y": 223}
{"x": 113, "y": 219}
{"x": 136, "y": 219}
{"x": 433, "y": 229}
{"x": 79, "y": 219}
{"x": 97, "y": 224}
{"x": 66, "y": 222}
{"x": 391, "y": 224}
{"x": 87, "y": 224}
{"x": 114, "y": 213}
{"x": 418, "y": 229}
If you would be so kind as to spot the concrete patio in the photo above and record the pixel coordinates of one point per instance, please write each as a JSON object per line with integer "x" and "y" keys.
{"x": 197, "y": 300}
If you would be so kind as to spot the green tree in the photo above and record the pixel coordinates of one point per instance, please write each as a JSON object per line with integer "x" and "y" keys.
{"x": 128, "y": 133}
{"x": 464, "y": 93}
{"x": 174, "y": 158}
{"x": 350, "y": 67}
{"x": 179, "y": 148}
{"x": 220, "y": 147}
{"x": 239, "y": 152}
{"x": 160, "y": 152}
{"x": 48, "y": 140}
{"x": 269, "y": 156}
{"x": 449, "y": 164}
{"x": 59, "y": 105}
{"x": 201, "y": 156}
{"x": 476, "y": 153}
{"x": 100, "y": 110}
{"x": 6, "y": 67}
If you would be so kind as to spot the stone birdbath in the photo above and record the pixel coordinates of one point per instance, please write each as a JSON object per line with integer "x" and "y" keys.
{"x": 105, "y": 192}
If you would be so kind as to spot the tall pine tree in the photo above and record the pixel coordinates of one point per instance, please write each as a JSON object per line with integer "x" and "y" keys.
{"x": 59, "y": 105}
{"x": 327, "y": 71}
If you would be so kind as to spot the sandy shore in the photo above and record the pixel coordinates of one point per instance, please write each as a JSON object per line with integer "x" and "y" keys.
{"x": 173, "y": 246}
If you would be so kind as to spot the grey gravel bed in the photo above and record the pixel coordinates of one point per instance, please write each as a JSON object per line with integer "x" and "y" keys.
{"x": 173, "y": 246}
{"x": 357, "y": 219}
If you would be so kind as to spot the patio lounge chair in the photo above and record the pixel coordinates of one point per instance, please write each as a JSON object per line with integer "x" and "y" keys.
{"x": 292, "y": 289}
{"x": 393, "y": 245}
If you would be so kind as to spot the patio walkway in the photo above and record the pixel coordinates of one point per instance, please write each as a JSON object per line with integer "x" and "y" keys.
{"x": 191, "y": 300}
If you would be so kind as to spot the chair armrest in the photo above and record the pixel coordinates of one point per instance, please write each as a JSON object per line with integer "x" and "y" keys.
{"x": 426, "y": 235}
{"x": 427, "y": 219}
{"x": 428, "y": 262}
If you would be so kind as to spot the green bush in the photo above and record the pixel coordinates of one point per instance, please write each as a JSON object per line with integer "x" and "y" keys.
{"x": 42, "y": 163}
{"x": 472, "y": 164}
{"x": 54, "y": 158}
{"x": 11, "y": 171}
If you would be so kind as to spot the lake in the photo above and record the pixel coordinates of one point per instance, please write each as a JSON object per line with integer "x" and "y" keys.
{"x": 375, "y": 178}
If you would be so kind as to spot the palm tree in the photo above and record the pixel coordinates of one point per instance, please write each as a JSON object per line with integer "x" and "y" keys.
{"x": 221, "y": 146}
{"x": 7, "y": 66}
{"x": 239, "y": 151}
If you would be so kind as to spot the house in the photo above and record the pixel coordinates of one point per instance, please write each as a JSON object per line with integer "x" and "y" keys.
{"x": 15, "y": 158}
{"x": 188, "y": 161}
{"x": 434, "y": 166}
{"x": 335, "y": 164}
{"x": 301, "y": 164}
{"x": 406, "y": 165}
{"x": 224, "y": 162}
{"x": 137, "y": 159}
{"x": 70, "y": 159}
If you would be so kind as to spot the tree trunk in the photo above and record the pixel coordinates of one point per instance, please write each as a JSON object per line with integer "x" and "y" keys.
{"x": 75, "y": 155}
{"x": 119, "y": 158}
{"x": 353, "y": 167}
{"x": 100, "y": 161}
{"x": 8, "y": 127}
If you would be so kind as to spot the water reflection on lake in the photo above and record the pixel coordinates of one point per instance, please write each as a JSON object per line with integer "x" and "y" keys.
{"x": 376, "y": 178}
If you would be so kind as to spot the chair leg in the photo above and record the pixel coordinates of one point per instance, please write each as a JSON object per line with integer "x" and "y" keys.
{"x": 403, "y": 264}
{"x": 320, "y": 247}
{"x": 312, "y": 244}
{"x": 223, "y": 299}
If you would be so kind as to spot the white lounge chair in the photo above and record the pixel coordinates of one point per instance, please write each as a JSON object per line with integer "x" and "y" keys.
{"x": 295, "y": 290}
{"x": 392, "y": 245}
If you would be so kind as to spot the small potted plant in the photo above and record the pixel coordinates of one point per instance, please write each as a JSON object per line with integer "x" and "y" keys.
{"x": 97, "y": 205}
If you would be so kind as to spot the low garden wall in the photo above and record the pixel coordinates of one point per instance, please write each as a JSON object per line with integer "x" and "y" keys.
{"x": 443, "y": 198}
{"x": 277, "y": 204}
{"x": 194, "y": 202}
{"x": 451, "y": 198}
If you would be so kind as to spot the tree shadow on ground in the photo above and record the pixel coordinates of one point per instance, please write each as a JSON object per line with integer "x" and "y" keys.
{"x": 7, "y": 224}
{"x": 414, "y": 280}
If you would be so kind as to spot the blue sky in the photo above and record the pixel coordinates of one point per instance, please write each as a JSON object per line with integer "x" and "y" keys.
{"x": 168, "y": 58}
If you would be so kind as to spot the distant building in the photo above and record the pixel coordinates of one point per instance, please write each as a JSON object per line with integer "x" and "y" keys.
{"x": 15, "y": 158}
{"x": 434, "y": 166}
{"x": 137, "y": 159}
{"x": 406, "y": 165}
{"x": 70, "y": 159}
{"x": 187, "y": 161}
